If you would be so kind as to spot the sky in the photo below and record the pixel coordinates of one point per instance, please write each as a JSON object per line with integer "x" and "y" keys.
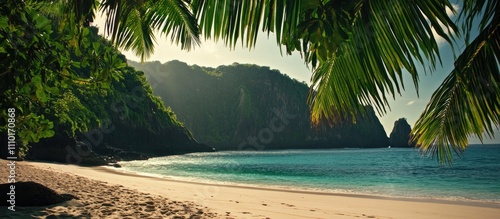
{"x": 267, "y": 53}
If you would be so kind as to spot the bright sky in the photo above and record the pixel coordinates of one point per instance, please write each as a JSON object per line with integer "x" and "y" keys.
{"x": 267, "y": 53}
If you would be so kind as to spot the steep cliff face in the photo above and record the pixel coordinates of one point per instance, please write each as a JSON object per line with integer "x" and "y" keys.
{"x": 400, "y": 134}
{"x": 241, "y": 107}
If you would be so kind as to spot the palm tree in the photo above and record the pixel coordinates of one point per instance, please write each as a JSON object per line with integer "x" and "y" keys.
{"x": 358, "y": 50}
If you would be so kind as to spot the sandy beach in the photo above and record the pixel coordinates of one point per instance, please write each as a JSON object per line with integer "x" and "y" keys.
{"x": 111, "y": 193}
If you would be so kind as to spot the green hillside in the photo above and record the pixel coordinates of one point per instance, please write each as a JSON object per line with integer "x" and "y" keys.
{"x": 124, "y": 120}
{"x": 247, "y": 106}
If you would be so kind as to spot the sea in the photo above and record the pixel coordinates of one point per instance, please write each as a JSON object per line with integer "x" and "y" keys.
{"x": 386, "y": 172}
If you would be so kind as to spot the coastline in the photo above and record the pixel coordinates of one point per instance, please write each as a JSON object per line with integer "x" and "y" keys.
{"x": 250, "y": 202}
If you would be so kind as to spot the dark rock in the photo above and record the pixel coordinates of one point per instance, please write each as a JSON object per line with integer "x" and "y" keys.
{"x": 400, "y": 135}
{"x": 62, "y": 150}
{"x": 34, "y": 194}
{"x": 114, "y": 154}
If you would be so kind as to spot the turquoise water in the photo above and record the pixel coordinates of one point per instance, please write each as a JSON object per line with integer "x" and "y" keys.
{"x": 396, "y": 172}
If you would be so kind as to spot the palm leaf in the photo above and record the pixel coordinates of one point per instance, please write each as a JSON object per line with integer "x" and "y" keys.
{"x": 230, "y": 20}
{"x": 174, "y": 18}
{"x": 471, "y": 10}
{"x": 468, "y": 101}
{"x": 368, "y": 67}
{"x": 131, "y": 24}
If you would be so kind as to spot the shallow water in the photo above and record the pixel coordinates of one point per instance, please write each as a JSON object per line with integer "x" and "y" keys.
{"x": 395, "y": 172}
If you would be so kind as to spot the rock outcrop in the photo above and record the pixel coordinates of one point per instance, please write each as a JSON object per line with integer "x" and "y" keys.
{"x": 400, "y": 135}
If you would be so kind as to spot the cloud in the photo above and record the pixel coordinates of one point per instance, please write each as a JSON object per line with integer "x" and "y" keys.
{"x": 411, "y": 102}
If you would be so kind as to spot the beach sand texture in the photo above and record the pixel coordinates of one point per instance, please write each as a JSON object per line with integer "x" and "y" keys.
{"x": 107, "y": 193}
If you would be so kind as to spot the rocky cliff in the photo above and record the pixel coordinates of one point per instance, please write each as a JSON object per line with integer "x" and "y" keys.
{"x": 400, "y": 135}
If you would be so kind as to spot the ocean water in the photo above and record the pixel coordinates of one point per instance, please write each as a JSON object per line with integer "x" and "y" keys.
{"x": 395, "y": 172}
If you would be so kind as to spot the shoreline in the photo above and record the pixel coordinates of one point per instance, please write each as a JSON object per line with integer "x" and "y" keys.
{"x": 223, "y": 201}
{"x": 300, "y": 190}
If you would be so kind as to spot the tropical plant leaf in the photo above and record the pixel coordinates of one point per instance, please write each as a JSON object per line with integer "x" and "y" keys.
{"x": 230, "y": 20}
{"x": 131, "y": 24}
{"x": 467, "y": 103}
{"x": 386, "y": 37}
{"x": 471, "y": 10}
{"x": 174, "y": 18}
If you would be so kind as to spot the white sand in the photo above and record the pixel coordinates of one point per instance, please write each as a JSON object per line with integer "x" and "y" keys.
{"x": 221, "y": 201}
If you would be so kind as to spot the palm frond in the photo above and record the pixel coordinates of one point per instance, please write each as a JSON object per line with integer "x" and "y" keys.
{"x": 468, "y": 101}
{"x": 386, "y": 37}
{"x": 136, "y": 34}
{"x": 127, "y": 27}
{"x": 131, "y": 24}
{"x": 471, "y": 10}
{"x": 230, "y": 20}
{"x": 174, "y": 18}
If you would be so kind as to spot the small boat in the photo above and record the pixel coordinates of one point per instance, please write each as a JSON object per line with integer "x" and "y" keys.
{"x": 389, "y": 147}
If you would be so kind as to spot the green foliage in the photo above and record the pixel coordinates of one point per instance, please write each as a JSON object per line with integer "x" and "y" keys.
{"x": 31, "y": 60}
{"x": 42, "y": 58}
{"x": 34, "y": 127}
{"x": 71, "y": 115}
{"x": 468, "y": 101}
{"x": 388, "y": 36}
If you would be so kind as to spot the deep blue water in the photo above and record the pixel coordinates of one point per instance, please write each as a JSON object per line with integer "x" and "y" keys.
{"x": 395, "y": 172}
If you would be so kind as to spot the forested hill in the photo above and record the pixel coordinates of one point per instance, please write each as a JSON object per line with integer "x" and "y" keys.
{"x": 247, "y": 106}
{"x": 122, "y": 121}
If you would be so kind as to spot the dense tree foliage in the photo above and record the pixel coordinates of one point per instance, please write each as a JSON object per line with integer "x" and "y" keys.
{"x": 36, "y": 59}
{"x": 247, "y": 106}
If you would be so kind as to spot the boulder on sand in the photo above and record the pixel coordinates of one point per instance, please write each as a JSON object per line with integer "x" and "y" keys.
{"x": 33, "y": 194}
